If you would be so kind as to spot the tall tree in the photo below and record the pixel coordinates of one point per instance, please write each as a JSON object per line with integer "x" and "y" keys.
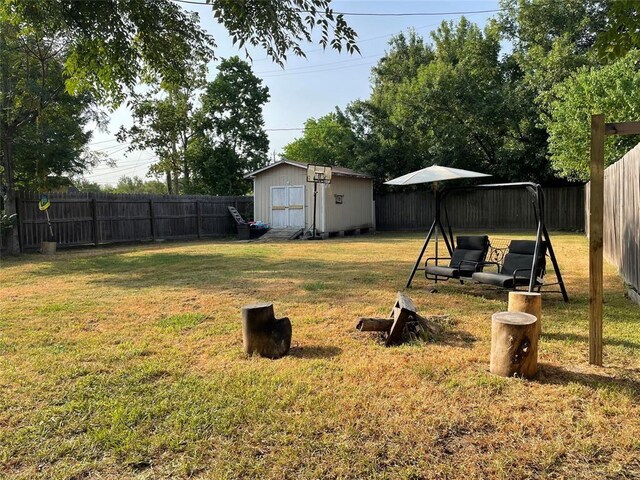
{"x": 42, "y": 127}
{"x": 232, "y": 140}
{"x": 614, "y": 90}
{"x": 163, "y": 122}
{"x": 552, "y": 39}
{"x": 328, "y": 140}
{"x": 457, "y": 103}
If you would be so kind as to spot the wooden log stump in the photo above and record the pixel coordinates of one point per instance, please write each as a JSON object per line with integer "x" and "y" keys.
{"x": 514, "y": 344}
{"x": 262, "y": 333}
{"x": 527, "y": 302}
{"x": 374, "y": 324}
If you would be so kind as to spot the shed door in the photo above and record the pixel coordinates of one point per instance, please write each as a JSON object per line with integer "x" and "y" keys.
{"x": 287, "y": 206}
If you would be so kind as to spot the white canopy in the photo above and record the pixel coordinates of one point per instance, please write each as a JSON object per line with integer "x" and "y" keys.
{"x": 435, "y": 173}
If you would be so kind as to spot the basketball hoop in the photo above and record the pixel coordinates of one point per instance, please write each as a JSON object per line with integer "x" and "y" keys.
{"x": 317, "y": 174}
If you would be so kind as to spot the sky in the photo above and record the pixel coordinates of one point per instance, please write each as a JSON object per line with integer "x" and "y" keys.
{"x": 305, "y": 87}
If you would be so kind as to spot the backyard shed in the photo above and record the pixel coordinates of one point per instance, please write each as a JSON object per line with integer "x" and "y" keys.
{"x": 284, "y": 199}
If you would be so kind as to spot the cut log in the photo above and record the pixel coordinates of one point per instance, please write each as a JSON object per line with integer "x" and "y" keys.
{"x": 262, "y": 333}
{"x": 514, "y": 344}
{"x": 527, "y": 302}
{"x": 373, "y": 324}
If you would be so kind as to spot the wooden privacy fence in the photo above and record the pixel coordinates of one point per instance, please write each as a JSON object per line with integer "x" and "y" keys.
{"x": 483, "y": 210}
{"x": 621, "y": 226}
{"x": 98, "y": 218}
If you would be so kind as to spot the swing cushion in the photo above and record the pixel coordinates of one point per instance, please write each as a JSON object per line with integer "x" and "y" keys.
{"x": 470, "y": 249}
{"x": 520, "y": 258}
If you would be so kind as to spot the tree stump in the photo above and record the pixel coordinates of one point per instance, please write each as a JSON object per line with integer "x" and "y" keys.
{"x": 527, "y": 302}
{"x": 514, "y": 344}
{"x": 262, "y": 333}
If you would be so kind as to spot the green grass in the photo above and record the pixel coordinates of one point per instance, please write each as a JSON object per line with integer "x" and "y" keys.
{"x": 127, "y": 362}
{"x": 181, "y": 321}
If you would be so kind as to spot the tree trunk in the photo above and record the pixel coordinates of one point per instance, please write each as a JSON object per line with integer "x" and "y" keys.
{"x": 514, "y": 345}
{"x": 262, "y": 333}
{"x": 13, "y": 243}
{"x": 7, "y": 136}
{"x": 527, "y": 302}
{"x": 169, "y": 184}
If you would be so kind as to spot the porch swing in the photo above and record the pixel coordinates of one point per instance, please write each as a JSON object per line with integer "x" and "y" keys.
{"x": 476, "y": 258}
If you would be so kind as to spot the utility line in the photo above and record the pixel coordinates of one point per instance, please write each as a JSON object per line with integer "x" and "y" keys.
{"x": 372, "y": 14}
{"x": 321, "y": 70}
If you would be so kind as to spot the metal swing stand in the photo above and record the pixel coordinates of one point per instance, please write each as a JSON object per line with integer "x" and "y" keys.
{"x": 542, "y": 235}
{"x": 436, "y": 226}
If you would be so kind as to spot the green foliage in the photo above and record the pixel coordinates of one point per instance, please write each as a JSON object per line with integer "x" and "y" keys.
{"x": 463, "y": 102}
{"x": 163, "y": 122}
{"x": 7, "y": 223}
{"x": 552, "y": 39}
{"x": 114, "y": 44}
{"x": 614, "y": 90}
{"x": 621, "y": 33}
{"x": 328, "y": 140}
{"x": 87, "y": 186}
{"x": 230, "y": 139}
{"x": 455, "y": 104}
{"x": 137, "y": 185}
{"x": 43, "y": 128}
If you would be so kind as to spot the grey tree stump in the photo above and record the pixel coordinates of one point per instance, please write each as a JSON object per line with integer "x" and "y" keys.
{"x": 262, "y": 333}
{"x": 514, "y": 344}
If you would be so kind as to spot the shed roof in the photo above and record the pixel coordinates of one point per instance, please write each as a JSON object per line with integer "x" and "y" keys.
{"x": 339, "y": 171}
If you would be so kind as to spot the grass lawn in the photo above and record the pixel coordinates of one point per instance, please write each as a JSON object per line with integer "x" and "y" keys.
{"x": 127, "y": 363}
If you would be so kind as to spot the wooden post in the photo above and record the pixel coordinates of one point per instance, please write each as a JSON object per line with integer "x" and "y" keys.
{"x": 527, "y": 302}
{"x": 514, "y": 345}
{"x": 198, "y": 221}
{"x": 152, "y": 220}
{"x": 596, "y": 207}
{"x": 94, "y": 221}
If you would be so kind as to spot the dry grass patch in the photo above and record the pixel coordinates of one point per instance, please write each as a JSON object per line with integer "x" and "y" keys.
{"x": 127, "y": 362}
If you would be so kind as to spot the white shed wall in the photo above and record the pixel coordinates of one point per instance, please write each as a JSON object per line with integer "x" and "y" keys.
{"x": 278, "y": 176}
{"x": 356, "y": 209}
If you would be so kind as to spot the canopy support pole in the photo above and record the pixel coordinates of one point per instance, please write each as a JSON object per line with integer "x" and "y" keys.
{"x": 435, "y": 226}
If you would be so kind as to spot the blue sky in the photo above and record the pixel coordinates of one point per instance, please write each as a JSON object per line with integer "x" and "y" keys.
{"x": 306, "y": 87}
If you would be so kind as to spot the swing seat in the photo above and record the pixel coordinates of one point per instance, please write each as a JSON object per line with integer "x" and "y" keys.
{"x": 467, "y": 257}
{"x": 515, "y": 271}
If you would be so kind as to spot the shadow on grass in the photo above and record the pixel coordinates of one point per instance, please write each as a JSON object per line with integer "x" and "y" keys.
{"x": 573, "y": 337}
{"x": 243, "y": 271}
{"x": 314, "y": 351}
{"x": 553, "y": 375}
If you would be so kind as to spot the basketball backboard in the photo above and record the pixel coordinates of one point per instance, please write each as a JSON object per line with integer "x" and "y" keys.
{"x": 318, "y": 173}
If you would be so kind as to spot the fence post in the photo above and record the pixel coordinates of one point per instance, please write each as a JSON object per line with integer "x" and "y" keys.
{"x": 152, "y": 220}
{"x": 94, "y": 215}
{"x": 198, "y": 221}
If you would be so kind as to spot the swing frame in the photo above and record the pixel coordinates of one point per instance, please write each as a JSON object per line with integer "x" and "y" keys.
{"x": 542, "y": 235}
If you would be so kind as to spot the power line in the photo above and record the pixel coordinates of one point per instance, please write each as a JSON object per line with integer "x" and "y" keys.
{"x": 373, "y": 14}
{"x": 321, "y": 70}
{"x": 413, "y": 14}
